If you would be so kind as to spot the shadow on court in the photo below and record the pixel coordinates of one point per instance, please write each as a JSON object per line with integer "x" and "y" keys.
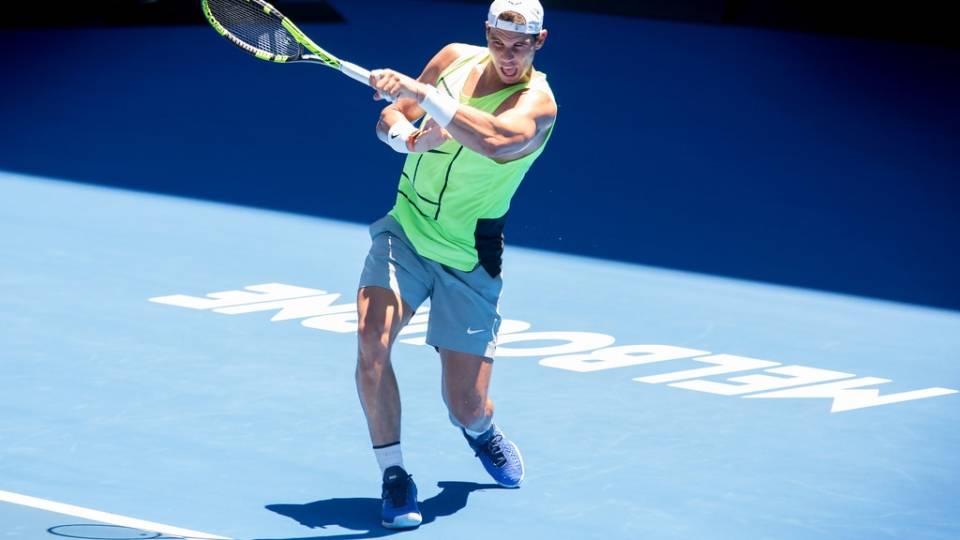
{"x": 96, "y": 531}
{"x": 363, "y": 514}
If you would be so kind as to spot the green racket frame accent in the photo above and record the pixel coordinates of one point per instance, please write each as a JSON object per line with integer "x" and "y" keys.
{"x": 302, "y": 38}
{"x": 319, "y": 55}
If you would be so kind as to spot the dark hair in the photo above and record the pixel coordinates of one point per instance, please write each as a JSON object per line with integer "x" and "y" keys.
{"x": 512, "y": 16}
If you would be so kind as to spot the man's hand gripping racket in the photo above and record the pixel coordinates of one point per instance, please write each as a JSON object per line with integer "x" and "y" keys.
{"x": 258, "y": 28}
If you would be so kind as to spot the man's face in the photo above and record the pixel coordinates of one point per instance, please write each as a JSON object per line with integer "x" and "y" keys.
{"x": 512, "y": 52}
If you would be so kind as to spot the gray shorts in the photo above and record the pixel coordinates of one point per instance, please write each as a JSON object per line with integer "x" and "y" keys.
{"x": 463, "y": 305}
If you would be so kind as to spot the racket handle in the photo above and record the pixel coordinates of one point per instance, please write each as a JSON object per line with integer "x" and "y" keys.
{"x": 355, "y": 72}
{"x": 358, "y": 74}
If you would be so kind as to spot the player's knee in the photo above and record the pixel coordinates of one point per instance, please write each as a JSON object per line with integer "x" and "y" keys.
{"x": 372, "y": 356}
{"x": 373, "y": 341}
{"x": 371, "y": 369}
{"x": 469, "y": 411}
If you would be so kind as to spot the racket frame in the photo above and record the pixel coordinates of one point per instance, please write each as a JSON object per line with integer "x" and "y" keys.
{"x": 317, "y": 54}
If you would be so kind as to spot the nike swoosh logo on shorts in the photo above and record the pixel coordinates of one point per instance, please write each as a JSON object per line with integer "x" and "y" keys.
{"x": 471, "y": 331}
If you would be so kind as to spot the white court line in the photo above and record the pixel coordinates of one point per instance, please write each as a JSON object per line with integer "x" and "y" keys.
{"x": 104, "y": 517}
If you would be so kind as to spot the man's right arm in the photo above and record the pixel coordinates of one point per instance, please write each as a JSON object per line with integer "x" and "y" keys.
{"x": 409, "y": 110}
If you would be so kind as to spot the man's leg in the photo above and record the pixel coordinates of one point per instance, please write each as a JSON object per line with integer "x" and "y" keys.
{"x": 466, "y": 382}
{"x": 381, "y": 314}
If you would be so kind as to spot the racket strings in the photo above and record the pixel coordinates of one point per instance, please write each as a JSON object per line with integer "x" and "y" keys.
{"x": 249, "y": 24}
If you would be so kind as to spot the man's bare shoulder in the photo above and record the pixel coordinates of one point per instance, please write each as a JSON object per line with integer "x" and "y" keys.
{"x": 450, "y": 53}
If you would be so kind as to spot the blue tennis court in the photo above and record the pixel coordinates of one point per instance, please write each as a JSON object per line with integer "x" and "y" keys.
{"x": 204, "y": 382}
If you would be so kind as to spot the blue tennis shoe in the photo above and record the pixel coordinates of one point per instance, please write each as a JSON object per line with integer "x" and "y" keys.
{"x": 400, "y": 510}
{"x": 500, "y": 457}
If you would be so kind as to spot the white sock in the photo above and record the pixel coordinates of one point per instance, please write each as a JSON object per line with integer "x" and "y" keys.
{"x": 388, "y": 455}
{"x": 475, "y": 434}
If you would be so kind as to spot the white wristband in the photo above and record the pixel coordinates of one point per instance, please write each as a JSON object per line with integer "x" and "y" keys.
{"x": 440, "y": 106}
{"x": 399, "y": 133}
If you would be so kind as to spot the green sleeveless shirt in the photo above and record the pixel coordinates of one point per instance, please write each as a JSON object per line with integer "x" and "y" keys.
{"x": 452, "y": 202}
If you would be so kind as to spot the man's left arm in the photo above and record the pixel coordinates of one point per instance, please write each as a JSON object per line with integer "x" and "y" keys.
{"x": 509, "y": 134}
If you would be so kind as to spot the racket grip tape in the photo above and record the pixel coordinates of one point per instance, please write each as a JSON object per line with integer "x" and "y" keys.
{"x": 358, "y": 74}
{"x": 355, "y": 72}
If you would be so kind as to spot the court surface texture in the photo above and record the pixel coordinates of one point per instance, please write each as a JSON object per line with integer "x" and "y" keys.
{"x": 183, "y": 369}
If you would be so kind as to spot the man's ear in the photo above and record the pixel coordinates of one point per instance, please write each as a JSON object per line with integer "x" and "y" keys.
{"x": 541, "y": 38}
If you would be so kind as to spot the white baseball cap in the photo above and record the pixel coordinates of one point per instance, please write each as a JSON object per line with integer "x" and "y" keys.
{"x": 531, "y": 10}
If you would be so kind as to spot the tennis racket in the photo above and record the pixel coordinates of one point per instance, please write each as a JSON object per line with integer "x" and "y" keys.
{"x": 258, "y": 28}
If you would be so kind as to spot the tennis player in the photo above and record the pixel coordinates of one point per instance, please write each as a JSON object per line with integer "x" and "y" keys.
{"x": 487, "y": 115}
